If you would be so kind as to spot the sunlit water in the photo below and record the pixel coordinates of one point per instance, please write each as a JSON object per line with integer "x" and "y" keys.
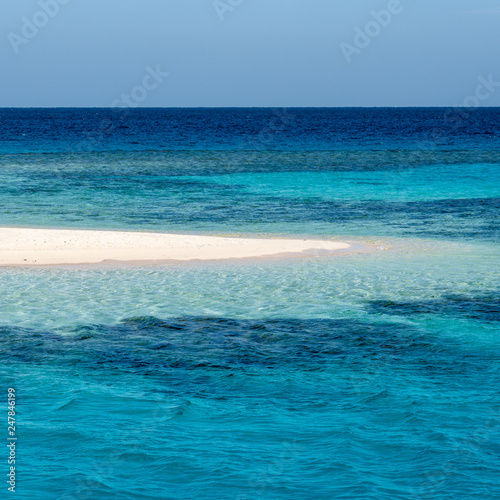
{"x": 370, "y": 376}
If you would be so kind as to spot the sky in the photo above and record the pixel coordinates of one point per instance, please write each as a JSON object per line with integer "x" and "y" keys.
{"x": 276, "y": 53}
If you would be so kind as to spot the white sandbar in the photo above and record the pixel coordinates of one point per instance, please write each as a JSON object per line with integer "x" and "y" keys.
{"x": 29, "y": 247}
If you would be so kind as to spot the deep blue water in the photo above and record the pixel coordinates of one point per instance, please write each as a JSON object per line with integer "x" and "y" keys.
{"x": 290, "y": 129}
{"x": 370, "y": 376}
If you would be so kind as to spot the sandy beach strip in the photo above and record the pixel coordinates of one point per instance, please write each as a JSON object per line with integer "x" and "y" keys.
{"x": 37, "y": 247}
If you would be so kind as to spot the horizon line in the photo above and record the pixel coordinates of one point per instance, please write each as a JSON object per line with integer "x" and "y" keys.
{"x": 244, "y": 107}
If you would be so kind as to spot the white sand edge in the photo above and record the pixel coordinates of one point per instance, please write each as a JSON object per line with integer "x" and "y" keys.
{"x": 28, "y": 247}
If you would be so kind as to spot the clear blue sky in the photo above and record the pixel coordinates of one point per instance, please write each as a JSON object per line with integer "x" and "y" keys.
{"x": 259, "y": 53}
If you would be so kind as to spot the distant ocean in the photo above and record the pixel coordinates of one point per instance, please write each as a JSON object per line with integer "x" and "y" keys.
{"x": 367, "y": 376}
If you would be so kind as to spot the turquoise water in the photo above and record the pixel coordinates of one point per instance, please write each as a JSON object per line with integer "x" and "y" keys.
{"x": 422, "y": 183}
{"x": 370, "y": 375}
{"x": 313, "y": 196}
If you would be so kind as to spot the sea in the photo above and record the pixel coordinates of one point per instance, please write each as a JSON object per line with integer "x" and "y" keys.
{"x": 372, "y": 376}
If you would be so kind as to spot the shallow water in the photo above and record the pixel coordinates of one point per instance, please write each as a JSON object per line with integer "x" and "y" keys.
{"x": 359, "y": 376}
